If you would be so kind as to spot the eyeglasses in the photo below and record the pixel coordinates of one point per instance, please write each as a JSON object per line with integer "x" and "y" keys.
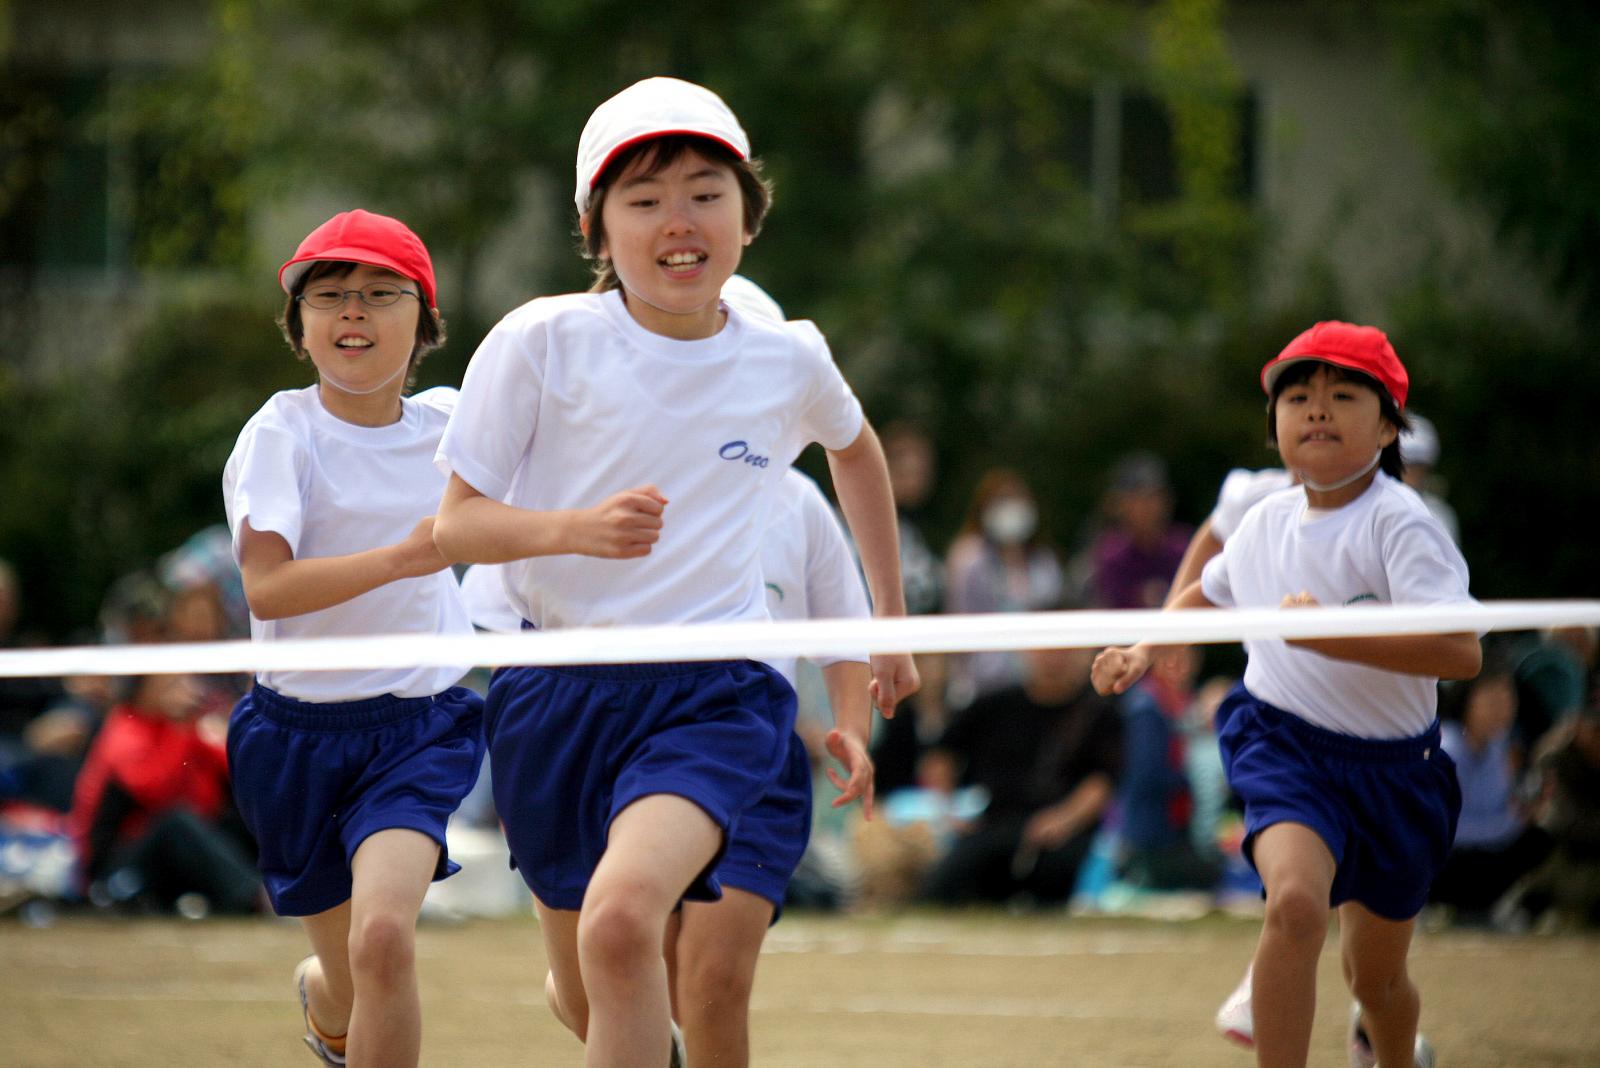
{"x": 373, "y": 295}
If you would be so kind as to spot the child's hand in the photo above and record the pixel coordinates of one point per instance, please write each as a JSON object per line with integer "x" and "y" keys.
{"x": 1302, "y": 599}
{"x": 623, "y": 526}
{"x": 894, "y": 678}
{"x": 419, "y": 556}
{"x": 1117, "y": 669}
{"x": 851, "y": 752}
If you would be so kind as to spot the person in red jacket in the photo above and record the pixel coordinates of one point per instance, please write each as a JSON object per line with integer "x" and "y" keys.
{"x": 151, "y": 812}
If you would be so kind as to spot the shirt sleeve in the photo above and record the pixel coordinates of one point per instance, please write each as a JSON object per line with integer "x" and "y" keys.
{"x": 830, "y": 414}
{"x": 1423, "y": 564}
{"x": 263, "y": 484}
{"x": 497, "y": 410}
{"x": 1214, "y": 582}
{"x": 833, "y": 585}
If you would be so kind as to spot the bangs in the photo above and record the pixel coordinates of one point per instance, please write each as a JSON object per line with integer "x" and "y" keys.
{"x": 657, "y": 154}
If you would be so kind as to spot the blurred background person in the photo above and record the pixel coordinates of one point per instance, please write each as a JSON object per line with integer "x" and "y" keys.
{"x": 1495, "y": 844}
{"x": 1419, "y": 450}
{"x": 1133, "y": 559}
{"x": 999, "y": 562}
{"x": 1048, "y": 752}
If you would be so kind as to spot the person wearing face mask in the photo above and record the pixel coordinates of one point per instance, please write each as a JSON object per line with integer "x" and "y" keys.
{"x": 999, "y": 562}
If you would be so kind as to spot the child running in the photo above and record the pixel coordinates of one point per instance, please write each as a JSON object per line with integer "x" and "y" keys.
{"x": 346, "y": 778}
{"x": 1333, "y": 743}
{"x": 621, "y": 451}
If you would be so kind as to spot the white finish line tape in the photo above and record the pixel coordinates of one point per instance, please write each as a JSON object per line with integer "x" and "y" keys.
{"x": 821, "y": 637}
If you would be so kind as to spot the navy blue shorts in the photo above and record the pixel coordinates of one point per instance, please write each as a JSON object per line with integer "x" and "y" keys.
{"x": 771, "y": 837}
{"x": 1385, "y": 808}
{"x": 571, "y": 747}
{"x": 313, "y": 781}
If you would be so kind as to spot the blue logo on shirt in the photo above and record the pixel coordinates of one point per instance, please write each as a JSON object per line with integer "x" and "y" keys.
{"x": 740, "y": 450}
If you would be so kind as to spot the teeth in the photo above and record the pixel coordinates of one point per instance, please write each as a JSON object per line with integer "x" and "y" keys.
{"x": 682, "y": 259}
{"x": 354, "y": 343}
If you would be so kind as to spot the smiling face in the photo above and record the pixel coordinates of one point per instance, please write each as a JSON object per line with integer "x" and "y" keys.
{"x": 674, "y": 235}
{"x": 360, "y": 351}
{"x": 1328, "y": 425}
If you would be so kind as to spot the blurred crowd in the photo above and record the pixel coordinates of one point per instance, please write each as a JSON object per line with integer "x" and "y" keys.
{"x": 1007, "y": 781}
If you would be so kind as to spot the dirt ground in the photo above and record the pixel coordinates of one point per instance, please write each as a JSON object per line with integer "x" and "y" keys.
{"x": 913, "y": 990}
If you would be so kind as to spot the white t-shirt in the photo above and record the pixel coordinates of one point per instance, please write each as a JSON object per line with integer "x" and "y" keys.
{"x": 807, "y": 564}
{"x": 569, "y": 400}
{"x": 1242, "y": 490}
{"x": 331, "y": 488}
{"x": 1382, "y": 548}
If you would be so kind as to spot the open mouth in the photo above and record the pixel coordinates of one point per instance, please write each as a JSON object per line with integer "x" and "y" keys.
{"x": 353, "y": 343}
{"x": 682, "y": 262}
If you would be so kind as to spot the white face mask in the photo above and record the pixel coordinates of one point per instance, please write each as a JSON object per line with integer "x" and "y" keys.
{"x": 1011, "y": 521}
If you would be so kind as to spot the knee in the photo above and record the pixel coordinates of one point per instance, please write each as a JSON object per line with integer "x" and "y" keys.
{"x": 1375, "y": 988}
{"x": 1298, "y": 913}
{"x": 708, "y": 980}
{"x": 383, "y": 948}
{"x": 617, "y": 932}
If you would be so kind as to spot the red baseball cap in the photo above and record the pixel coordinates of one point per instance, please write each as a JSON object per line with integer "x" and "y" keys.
{"x": 362, "y": 237}
{"x": 1359, "y": 348}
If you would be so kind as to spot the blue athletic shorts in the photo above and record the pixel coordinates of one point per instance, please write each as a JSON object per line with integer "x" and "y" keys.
{"x": 1386, "y": 808}
{"x": 571, "y": 747}
{"x": 771, "y": 837}
{"x": 313, "y": 781}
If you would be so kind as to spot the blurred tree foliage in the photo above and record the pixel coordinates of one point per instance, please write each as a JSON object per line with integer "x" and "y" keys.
{"x": 1024, "y": 223}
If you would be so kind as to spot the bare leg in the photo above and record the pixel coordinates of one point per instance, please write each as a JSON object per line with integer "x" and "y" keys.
{"x": 563, "y": 985}
{"x": 1373, "y": 951}
{"x": 717, "y": 952}
{"x": 329, "y": 989}
{"x": 656, "y": 847}
{"x": 1297, "y": 870}
{"x": 391, "y": 871}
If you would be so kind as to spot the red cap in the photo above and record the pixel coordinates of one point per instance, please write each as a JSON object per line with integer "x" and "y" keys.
{"x": 1359, "y": 348}
{"x": 362, "y": 237}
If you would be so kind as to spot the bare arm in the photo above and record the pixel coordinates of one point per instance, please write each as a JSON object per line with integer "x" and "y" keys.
{"x": 861, "y": 478}
{"x": 476, "y": 529}
{"x": 1202, "y": 547}
{"x": 1055, "y": 824}
{"x": 848, "y": 743}
{"x": 1442, "y": 656}
{"x": 1117, "y": 669}
{"x": 277, "y": 585}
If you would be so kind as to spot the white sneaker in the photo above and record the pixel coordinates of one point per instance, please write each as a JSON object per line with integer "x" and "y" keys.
{"x": 680, "y": 1056}
{"x": 1361, "y": 1055}
{"x": 1234, "y": 1020}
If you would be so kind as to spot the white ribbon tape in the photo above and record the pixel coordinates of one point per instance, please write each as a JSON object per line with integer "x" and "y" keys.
{"x": 820, "y": 637}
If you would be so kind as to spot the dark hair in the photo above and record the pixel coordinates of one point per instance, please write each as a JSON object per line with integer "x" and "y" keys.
{"x": 656, "y": 156}
{"x": 430, "y": 325}
{"x": 1296, "y": 373}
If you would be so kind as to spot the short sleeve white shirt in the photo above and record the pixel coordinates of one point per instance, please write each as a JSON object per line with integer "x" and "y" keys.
{"x": 1242, "y": 490}
{"x": 1382, "y": 548}
{"x": 331, "y": 488}
{"x": 807, "y": 565}
{"x": 569, "y": 400}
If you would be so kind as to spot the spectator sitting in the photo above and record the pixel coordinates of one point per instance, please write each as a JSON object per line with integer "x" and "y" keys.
{"x": 1494, "y": 845}
{"x": 150, "y": 812}
{"x": 1157, "y": 850}
{"x": 28, "y": 735}
{"x": 1048, "y": 753}
{"x": 1568, "y": 764}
